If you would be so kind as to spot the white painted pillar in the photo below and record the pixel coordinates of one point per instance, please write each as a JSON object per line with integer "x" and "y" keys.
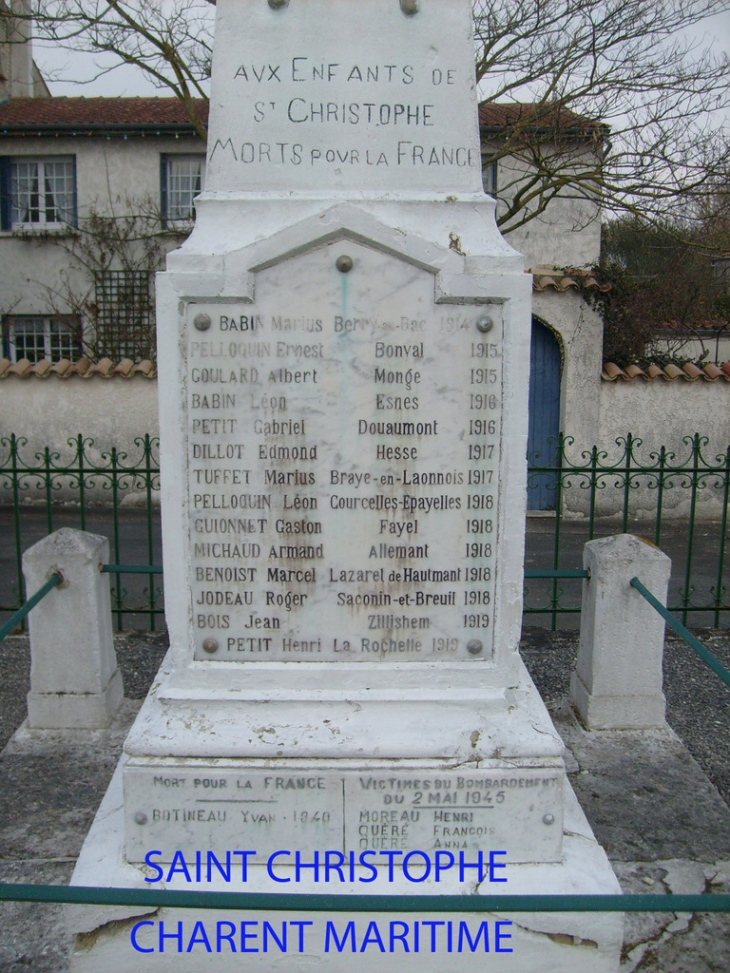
{"x": 617, "y": 682}
{"x": 74, "y": 679}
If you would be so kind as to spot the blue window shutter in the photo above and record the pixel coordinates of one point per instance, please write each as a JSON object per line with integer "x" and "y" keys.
{"x": 163, "y": 188}
{"x": 5, "y": 222}
{"x": 75, "y": 210}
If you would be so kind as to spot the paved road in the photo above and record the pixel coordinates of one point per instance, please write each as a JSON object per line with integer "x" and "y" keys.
{"x": 139, "y": 543}
{"x": 704, "y": 563}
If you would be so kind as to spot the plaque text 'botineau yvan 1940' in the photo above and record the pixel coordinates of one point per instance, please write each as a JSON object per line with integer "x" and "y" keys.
{"x": 343, "y": 449}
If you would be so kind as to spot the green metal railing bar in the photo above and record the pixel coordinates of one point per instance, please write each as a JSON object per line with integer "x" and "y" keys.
{"x": 557, "y": 573}
{"x": 131, "y": 569}
{"x": 679, "y": 628}
{"x": 626, "y": 481}
{"x": 30, "y": 604}
{"x": 82, "y": 895}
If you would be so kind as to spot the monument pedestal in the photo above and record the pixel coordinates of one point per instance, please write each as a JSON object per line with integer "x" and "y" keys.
{"x": 387, "y": 765}
{"x": 343, "y": 349}
{"x": 548, "y": 943}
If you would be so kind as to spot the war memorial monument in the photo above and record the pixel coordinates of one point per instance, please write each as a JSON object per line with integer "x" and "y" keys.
{"x": 343, "y": 348}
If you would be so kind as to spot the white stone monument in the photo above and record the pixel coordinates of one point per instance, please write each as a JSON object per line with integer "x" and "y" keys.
{"x": 343, "y": 346}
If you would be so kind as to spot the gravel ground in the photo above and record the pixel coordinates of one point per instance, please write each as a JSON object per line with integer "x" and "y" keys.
{"x": 139, "y": 656}
{"x": 663, "y": 825}
{"x": 698, "y": 703}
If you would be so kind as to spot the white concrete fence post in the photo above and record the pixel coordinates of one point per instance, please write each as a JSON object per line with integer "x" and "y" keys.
{"x": 617, "y": 682}
{"x": 74, "y": 679}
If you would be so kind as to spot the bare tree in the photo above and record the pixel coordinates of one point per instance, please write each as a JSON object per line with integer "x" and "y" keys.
{"x": 108, "y": 282}
{"x": 610, "y": 106}
{"x": 596, "y": 101}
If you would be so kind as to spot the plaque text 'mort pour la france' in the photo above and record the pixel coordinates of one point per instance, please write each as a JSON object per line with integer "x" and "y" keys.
{"x": 343, "y": 452}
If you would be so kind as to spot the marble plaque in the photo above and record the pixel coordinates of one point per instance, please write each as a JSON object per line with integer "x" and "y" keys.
{"x": 511, "y": 808}
{"x": 343, "y": 439}
{"x": 331, "y": 94}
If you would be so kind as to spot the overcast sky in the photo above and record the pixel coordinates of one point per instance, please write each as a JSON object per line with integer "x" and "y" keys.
{"x": 65, "y": 70}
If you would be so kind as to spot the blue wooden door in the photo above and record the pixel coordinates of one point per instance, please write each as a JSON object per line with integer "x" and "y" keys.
{"x": 544, "y": 409}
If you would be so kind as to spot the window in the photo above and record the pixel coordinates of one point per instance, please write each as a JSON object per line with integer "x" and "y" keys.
{"x": 38, "y": 193}
{"x": 182, "y": 177}
{"x": 124, "y": 315}
{"x": 36, "y": 338}
{"x": 489, "y": 176}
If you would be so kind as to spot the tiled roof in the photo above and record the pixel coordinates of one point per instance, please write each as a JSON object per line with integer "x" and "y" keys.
{"x": 669, "y": 373}
{"x": 84, "y": 116}
{"x": 496, "y": 116}
{"x": 83, "y": 368}
{"x": 564, "y": 282}
{"x": 126, "y": 368}
{"x": 99, "y": 115}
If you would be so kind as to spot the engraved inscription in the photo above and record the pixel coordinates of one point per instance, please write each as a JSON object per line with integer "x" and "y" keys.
{"x": 356, "y": 811}
{"x": 343, "y": 491}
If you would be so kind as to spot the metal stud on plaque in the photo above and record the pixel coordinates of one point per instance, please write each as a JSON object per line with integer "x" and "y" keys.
{"x": 344, "y": 264}
{"x": 484, "y": 323}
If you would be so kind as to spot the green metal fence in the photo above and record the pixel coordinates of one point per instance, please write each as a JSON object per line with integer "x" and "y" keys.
{"x": 112, "y": 492}
{"x": 677, "y": 501}
{"x": 116, "y": 493}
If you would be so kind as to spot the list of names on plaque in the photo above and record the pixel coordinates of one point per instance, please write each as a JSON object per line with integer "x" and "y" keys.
{"x": 343, "y": 449}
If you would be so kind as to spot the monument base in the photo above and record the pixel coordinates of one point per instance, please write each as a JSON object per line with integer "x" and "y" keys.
{"x": 539, "y": 942}
{"x": 76, "y": 711}
{"x": 374, "y": 763}
{"x": 619, "y": 710}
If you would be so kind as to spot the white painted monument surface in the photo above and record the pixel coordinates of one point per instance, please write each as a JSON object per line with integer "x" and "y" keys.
{"x": 343, "y": 98}
{"x": 374, "y": 809}
{"x": 343, "y": 345}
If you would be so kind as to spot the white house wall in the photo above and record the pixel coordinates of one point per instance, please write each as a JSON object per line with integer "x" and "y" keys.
{"x": 113, "y": 171}
{"x": 659, "y": 412}
{"x": 579, "y": 331}
{"x": 567, "y": 234}
{"x": 667, "y": 414}
{"x": 112, "y": 177}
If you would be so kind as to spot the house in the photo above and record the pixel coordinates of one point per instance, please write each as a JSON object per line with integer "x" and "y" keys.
{"x": 95, "y": 191}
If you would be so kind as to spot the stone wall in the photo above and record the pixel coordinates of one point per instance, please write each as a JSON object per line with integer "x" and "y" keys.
{"x": 665, "y": 413}
{"x": 112, "y": 412}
